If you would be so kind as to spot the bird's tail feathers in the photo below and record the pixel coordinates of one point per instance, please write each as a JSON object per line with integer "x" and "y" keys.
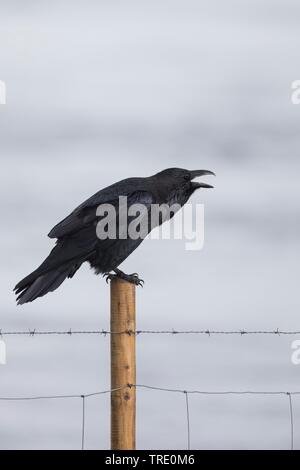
{"x": 38, "y": 284}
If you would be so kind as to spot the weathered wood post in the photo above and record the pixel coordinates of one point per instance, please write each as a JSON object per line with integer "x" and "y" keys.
{"x": 123, "y": 365}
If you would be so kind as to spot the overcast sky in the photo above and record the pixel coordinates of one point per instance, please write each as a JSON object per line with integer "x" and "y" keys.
{"x": 101, "y": 90}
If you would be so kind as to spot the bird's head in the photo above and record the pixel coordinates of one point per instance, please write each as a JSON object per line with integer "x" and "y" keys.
{"x": 182, "y": 181}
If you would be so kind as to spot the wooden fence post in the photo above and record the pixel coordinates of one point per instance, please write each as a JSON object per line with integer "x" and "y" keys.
{"x": 123, "y": 365}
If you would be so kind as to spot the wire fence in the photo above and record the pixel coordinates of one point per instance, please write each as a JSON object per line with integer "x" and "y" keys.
{"x": 185, "y": 393}
{"x": 207, "y": 332}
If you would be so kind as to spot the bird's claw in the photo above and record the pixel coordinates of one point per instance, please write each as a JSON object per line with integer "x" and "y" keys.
{"x": 132, "y": 278}
{"x": 109, "y": 277}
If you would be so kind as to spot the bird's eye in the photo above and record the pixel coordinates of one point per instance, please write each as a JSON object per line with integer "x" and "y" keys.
{"x": 187, "y": 177}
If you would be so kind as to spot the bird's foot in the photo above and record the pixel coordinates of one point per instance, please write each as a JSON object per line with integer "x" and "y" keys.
{"x": 132, "y": 278}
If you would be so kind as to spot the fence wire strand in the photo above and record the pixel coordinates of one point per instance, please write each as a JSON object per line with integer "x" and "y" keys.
{"x": 188, "y": 421}
{"x": 207, "y": 332}
{"x": 291, "y": 419}
{"x": 83, "y": 422}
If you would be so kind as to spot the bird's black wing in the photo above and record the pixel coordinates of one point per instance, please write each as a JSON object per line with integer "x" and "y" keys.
{"x": 85, "y": 214}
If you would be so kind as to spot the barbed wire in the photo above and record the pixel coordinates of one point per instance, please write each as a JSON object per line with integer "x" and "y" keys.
{"x": 70, "y": 332}
{"x": 186, "y": 393}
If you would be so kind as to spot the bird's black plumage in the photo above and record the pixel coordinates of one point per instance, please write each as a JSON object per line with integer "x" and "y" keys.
{"x": 76, "y": 236}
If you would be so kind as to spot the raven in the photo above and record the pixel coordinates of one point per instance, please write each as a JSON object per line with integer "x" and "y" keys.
{"x": 77, "y": 239}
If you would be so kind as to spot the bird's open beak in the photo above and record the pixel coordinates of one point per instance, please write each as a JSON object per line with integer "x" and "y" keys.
{"x": 197, "y": 173}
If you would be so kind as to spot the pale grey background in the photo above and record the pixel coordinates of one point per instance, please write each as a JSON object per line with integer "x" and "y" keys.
{"x": 101, "y": 90}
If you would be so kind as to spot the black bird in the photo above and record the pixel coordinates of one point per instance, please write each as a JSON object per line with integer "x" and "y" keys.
{"x": 77, "y": 240}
